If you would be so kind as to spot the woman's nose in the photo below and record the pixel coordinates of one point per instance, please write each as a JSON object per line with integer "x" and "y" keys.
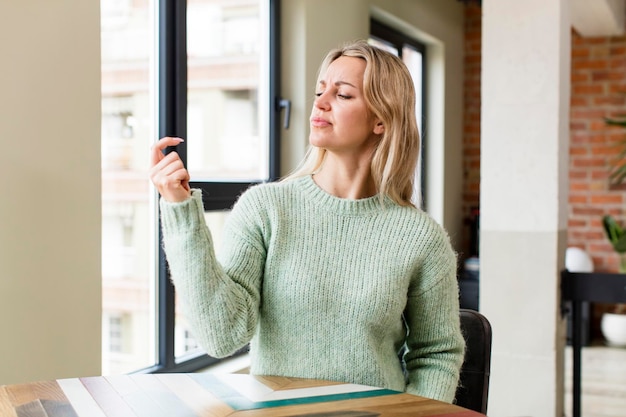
{"x": 321, "y": 102}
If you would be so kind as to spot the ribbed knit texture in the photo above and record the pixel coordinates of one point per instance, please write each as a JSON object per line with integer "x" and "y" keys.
{"x": 322, "y": 287}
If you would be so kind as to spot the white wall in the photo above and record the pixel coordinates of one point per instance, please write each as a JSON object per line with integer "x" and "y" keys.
{"x": 311, "y": 27}
{"x": 50, "y": 293}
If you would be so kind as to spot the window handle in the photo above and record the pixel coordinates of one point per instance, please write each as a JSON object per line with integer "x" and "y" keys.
{"x": 285, "y": 104}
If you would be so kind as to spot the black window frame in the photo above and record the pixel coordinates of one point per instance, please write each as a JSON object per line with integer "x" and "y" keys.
{"x": 172, "y": 121}
{"x": 395, "y": 38}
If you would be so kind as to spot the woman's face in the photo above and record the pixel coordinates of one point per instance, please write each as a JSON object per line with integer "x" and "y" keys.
{"x": 340, "y": 120}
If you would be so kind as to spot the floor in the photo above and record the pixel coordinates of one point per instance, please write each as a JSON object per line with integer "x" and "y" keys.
{"x": 603, "y": 381}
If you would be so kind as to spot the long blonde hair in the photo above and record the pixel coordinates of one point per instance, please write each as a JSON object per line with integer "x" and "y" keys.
{"x": 390, "y": 95}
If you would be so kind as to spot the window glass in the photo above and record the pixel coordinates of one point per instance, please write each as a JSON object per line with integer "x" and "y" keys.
{"x": 384, "y": 45}
{"x": 127, "y": 36}
{"x": 225, "y": 124}
{"x": 413, "y": 59}
{"x": 227, "y": 149}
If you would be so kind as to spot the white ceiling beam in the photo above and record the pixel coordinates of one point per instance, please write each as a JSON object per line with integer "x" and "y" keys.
{"x": 598, "y": 17}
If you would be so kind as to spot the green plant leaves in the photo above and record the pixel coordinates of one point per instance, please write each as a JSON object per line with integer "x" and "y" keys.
{"x": 618, "y": 173}
{"x": 615, "y": 233}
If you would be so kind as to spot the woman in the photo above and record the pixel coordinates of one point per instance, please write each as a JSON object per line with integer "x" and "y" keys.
{"x": 330, "y": 273}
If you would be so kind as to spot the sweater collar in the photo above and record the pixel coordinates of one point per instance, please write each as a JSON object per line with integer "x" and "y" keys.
{"x": 343, "y": 206}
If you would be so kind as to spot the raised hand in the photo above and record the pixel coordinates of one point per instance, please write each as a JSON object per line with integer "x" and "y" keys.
{"x": 167, "y": 172}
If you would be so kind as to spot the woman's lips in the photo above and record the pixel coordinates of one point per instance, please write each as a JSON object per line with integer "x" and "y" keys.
{"x": 319, "y": 122}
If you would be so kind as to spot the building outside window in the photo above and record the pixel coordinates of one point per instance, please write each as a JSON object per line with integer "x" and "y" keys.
{"x": 227, "y": 125}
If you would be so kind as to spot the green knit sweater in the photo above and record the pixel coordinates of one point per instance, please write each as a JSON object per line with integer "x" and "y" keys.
{"x": 321, "y": 287}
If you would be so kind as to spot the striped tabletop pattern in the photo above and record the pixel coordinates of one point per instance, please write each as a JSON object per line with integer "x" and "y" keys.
{"x": 210, "y": 395}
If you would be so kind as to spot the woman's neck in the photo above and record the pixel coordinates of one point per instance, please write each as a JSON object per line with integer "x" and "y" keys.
{"x": 352, "y": 181}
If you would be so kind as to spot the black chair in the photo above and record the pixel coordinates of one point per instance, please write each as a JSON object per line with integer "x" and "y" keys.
{"x": 473, "y": 388}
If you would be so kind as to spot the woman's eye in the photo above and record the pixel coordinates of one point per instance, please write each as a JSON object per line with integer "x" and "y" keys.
{"x": 341, "y": 96}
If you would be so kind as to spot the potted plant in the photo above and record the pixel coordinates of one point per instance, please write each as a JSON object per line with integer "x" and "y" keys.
{"x": 613, "y": 323}
{"x": 617, "y": 236}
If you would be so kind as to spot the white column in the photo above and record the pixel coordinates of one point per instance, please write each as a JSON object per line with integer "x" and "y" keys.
{"x": 524, "y": 186}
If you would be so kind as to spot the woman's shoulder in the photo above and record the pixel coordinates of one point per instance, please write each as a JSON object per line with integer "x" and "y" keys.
{"x": 273, "y": 189}
{"x": 420, "y": 225}
{"x": 264, "y": 196}
{"x": 416, "y": 214}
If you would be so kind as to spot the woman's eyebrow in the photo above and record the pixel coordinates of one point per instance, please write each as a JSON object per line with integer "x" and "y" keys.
{"x": 338, "y": 83}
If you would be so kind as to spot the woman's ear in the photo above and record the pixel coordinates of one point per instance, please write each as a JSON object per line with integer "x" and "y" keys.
{"x": 379, "y": 128}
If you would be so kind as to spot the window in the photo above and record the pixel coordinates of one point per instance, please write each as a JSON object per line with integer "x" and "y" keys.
{"x": 128, "y": 122}
{"x": 413, "y": 54}
{"x": 115, "y": 334}
{"x": 203, "y": 70}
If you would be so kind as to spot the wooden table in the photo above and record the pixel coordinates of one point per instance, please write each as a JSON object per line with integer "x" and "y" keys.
{"x": 211, "y": 395}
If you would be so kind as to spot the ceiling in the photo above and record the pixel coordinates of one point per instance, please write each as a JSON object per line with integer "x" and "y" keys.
{"x": 598, "y": 17}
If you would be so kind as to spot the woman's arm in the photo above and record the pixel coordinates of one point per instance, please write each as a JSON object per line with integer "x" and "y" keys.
{"x": 435, "y": 344}
{"x": 220, "y": 302}
{"x": 221, "y": 305}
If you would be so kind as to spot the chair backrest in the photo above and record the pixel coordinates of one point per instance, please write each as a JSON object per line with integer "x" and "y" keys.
{"x": 473, "y": 388}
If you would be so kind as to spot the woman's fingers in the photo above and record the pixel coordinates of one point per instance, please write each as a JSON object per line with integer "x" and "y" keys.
{"x": 158, "y": 148}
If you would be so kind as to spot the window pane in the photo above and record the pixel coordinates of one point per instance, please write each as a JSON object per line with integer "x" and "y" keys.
{"x": 128, "y": 339}
{"x": 379, "y": 43}
{"x": 413, "y": 60}
{"x": 227, "y": 134}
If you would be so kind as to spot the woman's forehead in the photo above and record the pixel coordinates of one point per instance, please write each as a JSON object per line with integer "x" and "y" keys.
{"x": 344, "y": 70}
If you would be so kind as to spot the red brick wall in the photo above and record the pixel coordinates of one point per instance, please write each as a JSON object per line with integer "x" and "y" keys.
{"x": 471, "y": 119}
{"x": 598, "y": 90}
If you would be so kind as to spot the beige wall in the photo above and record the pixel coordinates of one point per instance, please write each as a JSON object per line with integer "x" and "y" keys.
{"x": 310, "y": 28}
{"x": 50, "y": 186}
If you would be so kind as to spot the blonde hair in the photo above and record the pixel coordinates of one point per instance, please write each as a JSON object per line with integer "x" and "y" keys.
{"x": 390, "y": 95}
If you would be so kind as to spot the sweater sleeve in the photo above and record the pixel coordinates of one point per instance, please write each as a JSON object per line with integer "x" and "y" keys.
{"x": 221, "y": 304}
{"x": 435, "y": 344}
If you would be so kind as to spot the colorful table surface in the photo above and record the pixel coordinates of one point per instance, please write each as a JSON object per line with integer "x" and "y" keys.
{"x": 211, "y": 395}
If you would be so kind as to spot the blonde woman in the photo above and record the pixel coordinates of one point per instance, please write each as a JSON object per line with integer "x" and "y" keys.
{"x": 332, "y": 272}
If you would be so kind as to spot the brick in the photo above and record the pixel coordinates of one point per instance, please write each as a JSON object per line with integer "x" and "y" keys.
{"x": 587, "y": 89}
{"x": 592, "y": 114}
{"x": 597, "y": 125}
{"x": 578, "y": 186}
{"x": 600, "y": 75}
{"x": 609, "y": 101}
{"x": 577, "y": 151}
{"x": 607, "y": 199}
{"x": 595, "y": 64}
{"x": 580, "y": 77}
{"x": 578, "y": 101}
{"x": 603, "y": 150}
{"x": 578, "y": 199}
